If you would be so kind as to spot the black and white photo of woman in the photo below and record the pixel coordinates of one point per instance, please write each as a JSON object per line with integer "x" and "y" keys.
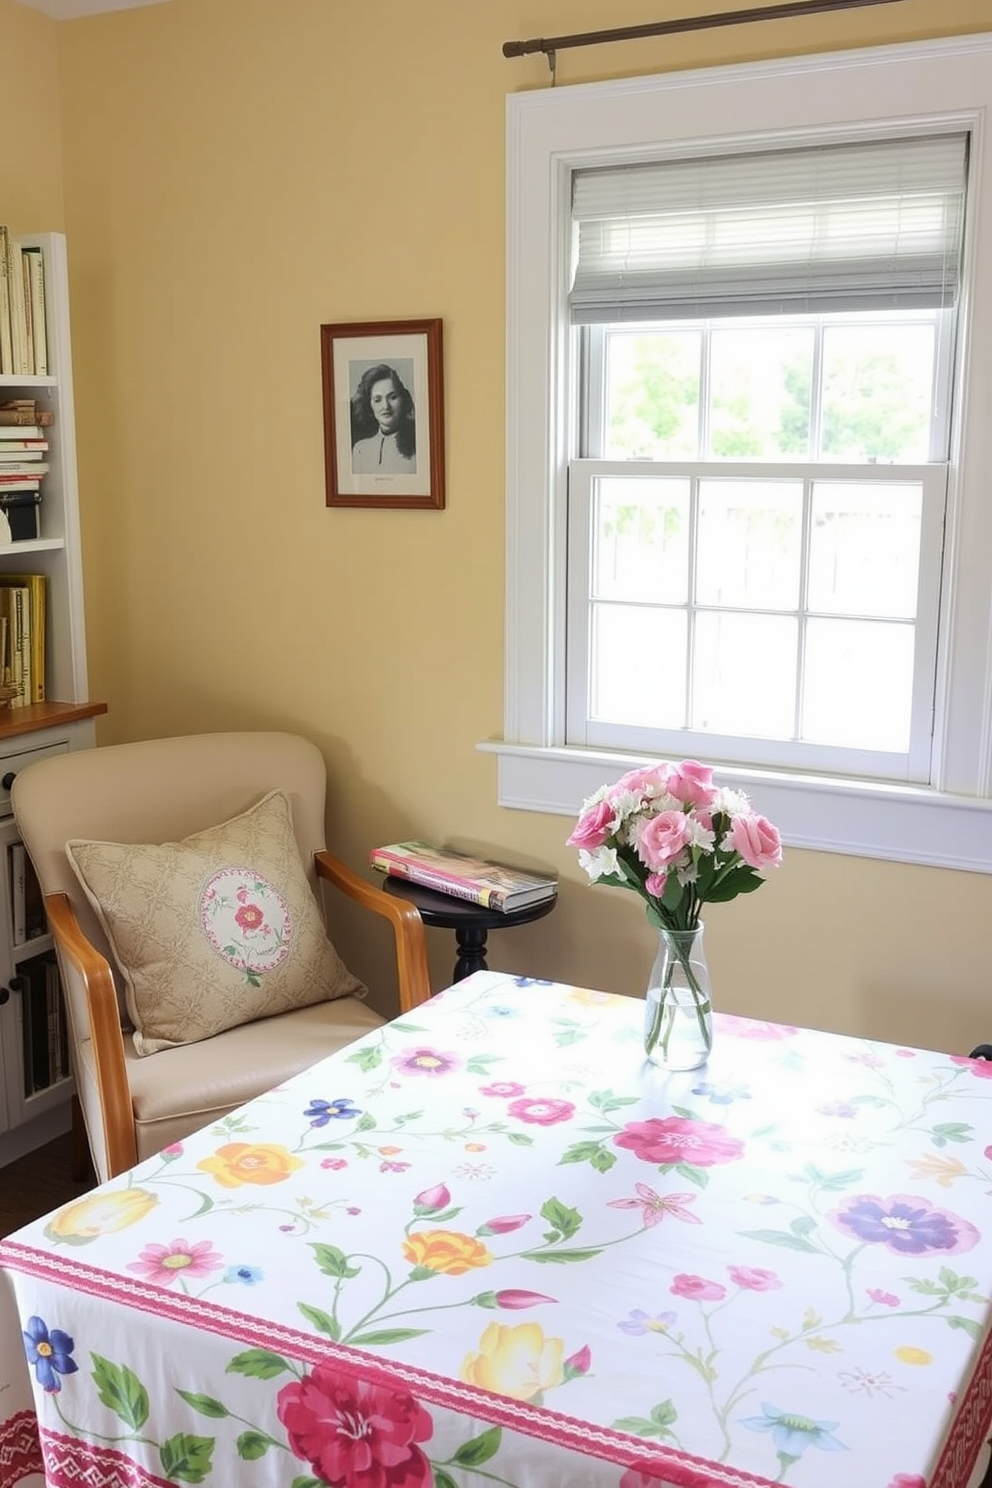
{"x": 383, "y": 424}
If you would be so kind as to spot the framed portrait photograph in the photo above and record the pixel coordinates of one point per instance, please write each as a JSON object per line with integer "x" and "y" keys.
{"x": 383, "y": 413}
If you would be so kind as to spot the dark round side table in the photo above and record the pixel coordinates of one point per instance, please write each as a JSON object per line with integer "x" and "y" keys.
{"x": 470, "y": 922}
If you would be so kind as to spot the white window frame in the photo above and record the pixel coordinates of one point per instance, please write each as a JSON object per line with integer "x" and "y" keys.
{"x": 553, "y": 132}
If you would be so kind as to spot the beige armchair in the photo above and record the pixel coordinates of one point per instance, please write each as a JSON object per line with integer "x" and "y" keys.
{"x": 162, "y": 791}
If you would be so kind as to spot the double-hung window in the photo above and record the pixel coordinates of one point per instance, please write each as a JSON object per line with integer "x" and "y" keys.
{"x": 749, "y": 368}
{"x": 756, "y": 516}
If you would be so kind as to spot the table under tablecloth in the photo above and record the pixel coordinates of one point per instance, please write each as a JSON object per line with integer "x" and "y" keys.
{"x": 488, "y": 1246}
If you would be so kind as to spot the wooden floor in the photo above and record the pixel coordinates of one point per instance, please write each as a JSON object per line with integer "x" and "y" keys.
{"x": 37, "y": 1183}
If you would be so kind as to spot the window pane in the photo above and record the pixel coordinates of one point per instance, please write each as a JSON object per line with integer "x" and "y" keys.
{"x": 641, "y": 540}
{"x": 744, "y": 675}
{"x": 858, "y": 684}
{"x": 638, "y": 666}
{"x": 760, "y": 392}
{"x": 652, "y": 395}
{"x": 749, "y": 543}
{"x": 877, "y": 392}
{"x": 865, "y": 548}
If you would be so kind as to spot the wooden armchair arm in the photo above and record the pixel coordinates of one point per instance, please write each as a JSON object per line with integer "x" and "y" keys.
{"x": 408, "y": 927}
{"x": 92, "y": 969}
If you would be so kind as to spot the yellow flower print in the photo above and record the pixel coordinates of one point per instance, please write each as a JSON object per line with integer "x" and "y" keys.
{"x": 587, "y": 997}
{"x": 516, "y": 1360}
{"x": 250, "y": 1162}
{"x": 943, "y": 1170}
{"x": 446, "y": 1251}
{"x": 100, "y": 1214}
{"x": 909, "y": 1355}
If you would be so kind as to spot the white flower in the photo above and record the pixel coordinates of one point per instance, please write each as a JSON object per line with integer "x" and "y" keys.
{"x": 600, "y": 863}
{"x": 703, "y": 837}
{"x": 730, "y": 802}
{"x": 686, "y": 873}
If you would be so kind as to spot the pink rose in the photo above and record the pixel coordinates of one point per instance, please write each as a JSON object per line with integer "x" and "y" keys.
{"x": 754, "y": 1278}
{"x": 663, "y": 838}
{"x": 592, "y": 828}
{"x": 757, "y": 841}
{"x": 655, "y": 884}
{"x": 697, "y": 1288}
{"x": 691, "y": 782}
{"x": 647, "y": 781}
{"x": 677, "y": 1139}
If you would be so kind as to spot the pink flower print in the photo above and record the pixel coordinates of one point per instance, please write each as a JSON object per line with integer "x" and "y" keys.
{"x": 249, "y": 917}
{"x": 505, "y": 1225}
{"x": 426, "y": 1062}
{"x": 351, "y": 1432}
{"x": 578, "y": 1363}
{"x": 754, "y": 1278}
{"x": 174, "y": 1150}
{"x": 662, "y": 838}
{"x": 432, "y": 1199}
{"x": 884, "y": 1299}
{"x": 542, "y": 1112}
{"x": 697, "y": 1288}
{"x": 164, "y": 1264}
{"x": 389, "y": 1166}
{"x": 754, "y": 1028}
{"x": 334, "y": 1163}
{"x": 513, "y": 1299}
{"x": 655, "y": 1206}
{"x": 908, "y": 1480}
{"x": 757, "y": 841}
{"x": 988, "y": 1151}
{"x": 677, "y": 1139}
{"x": 507, "y": 1088}
{"x": 980, "y": 1067}
{"x": 905, "y": 1053}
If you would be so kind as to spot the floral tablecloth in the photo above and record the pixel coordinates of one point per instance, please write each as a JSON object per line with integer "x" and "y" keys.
{"x": 488, "y": 1247}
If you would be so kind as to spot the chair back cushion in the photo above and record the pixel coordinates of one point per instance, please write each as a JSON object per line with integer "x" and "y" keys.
{"x": 154, "y": 791}
{"x": 214, "y": 931}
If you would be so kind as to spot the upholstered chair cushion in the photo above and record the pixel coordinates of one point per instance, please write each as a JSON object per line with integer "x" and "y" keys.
{"x": 216, "y": 930}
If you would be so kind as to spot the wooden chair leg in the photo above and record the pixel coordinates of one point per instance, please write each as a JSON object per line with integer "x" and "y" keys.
{"x": 81, "y": 1168}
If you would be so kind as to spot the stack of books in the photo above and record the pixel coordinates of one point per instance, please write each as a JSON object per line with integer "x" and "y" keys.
{"x": 23, "y": 334}
{"x": 23, "y": 463}
{"x": 493, "y": 885}
{"x": 22, "y": 637}
{"x": 43, "y": 1026}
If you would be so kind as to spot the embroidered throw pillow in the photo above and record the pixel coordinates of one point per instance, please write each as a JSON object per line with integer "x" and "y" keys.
{"x": 216, "y": 930}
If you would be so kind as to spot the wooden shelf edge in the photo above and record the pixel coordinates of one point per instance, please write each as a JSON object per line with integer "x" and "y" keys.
{"x": 37, "y": 716}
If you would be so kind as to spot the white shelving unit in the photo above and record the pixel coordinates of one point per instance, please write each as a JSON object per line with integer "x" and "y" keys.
{"x": 63, "y": 722}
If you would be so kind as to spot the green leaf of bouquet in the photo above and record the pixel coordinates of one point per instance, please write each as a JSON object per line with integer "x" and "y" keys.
{"x": 333, "y": 1262}
{"x": 673, "y": 892}
{"x": 322, "y": 1321}
{"x": 121, "y": 1391}
{"x": 559, "y": 1257}
{"x": 973, "y": 1329}
{"x": 252, "y": 1445}
{"x": 205, "y": 1404}
{"x": 473, "y": 1453}
{"x": 388, "y": 1335}
{"x": 188, "y": 1458}
{"x": 567, "y": 1221}
{"x": 781, "y": 1237}
{"x": 306, "y": 1481}
{"x": 258, "y": 1363}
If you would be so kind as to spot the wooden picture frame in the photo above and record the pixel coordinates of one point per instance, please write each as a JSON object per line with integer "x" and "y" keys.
{"x": 383, "y": 414}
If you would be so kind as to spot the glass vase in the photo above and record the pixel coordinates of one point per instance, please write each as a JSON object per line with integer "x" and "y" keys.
{"x": 678, "y": 1012}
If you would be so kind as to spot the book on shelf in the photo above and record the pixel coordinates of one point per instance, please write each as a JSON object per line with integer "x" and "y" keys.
{"x": 493, "y": 885}
{"x": 25, "y": 414}
{"x": 22, "y": 363}
{"x": 6, "y": 340}
{"x": 45, "y": 1046}
{"x": 23, "y": 462}
{"x": 27, "y": 907}
{"x": 33, "y": 445}
{"x": 34, "y": 291}
{"x": 33, "y": 589}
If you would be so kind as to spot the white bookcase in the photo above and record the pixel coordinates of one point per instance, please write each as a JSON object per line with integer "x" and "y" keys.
{"x": 65, "y": 720}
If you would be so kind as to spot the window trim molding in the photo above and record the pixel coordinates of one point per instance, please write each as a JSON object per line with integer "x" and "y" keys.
{"x": 549, "y": 133}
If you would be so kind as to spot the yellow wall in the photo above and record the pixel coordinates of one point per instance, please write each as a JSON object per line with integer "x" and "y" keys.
{"x": 237, "y": 172}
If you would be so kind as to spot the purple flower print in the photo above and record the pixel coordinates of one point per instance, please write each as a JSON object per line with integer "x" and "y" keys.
{"x": 639, "y": 1323}
{"x": 320, "y": 1112}
{"x": 426, "y": 1062}
{"x": 49, "y": 1353}
{"x": 884, "y": 1299}
{"x": 838, "y": 1108}
{"x": 904, "y": 1224}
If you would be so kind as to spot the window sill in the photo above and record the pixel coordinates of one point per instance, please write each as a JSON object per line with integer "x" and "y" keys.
{"x": 864, "y": 819}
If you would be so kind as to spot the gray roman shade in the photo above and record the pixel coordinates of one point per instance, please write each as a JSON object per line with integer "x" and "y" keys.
{"x": 836, "y": 227}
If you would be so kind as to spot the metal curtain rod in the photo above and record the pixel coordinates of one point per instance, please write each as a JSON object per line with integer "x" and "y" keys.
{"x": 552, "y": 44}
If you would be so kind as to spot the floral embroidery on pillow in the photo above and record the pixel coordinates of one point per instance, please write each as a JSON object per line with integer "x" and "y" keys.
{"x": 247, "y": 921}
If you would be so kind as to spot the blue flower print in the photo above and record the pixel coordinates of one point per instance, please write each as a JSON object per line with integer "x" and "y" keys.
{"x": 532, "y": 982}
{"x": 321, "y": 1112}
{"x": 500, "y": 1010}
{"x": 49, "y": 1353}
{"x": 247, "y": 1275}
{"x": 792, "y": 1434}
{"x": 722, "y": 1095}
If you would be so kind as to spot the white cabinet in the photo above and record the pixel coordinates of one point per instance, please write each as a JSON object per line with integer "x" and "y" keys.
{"x": 65, "y": 720}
